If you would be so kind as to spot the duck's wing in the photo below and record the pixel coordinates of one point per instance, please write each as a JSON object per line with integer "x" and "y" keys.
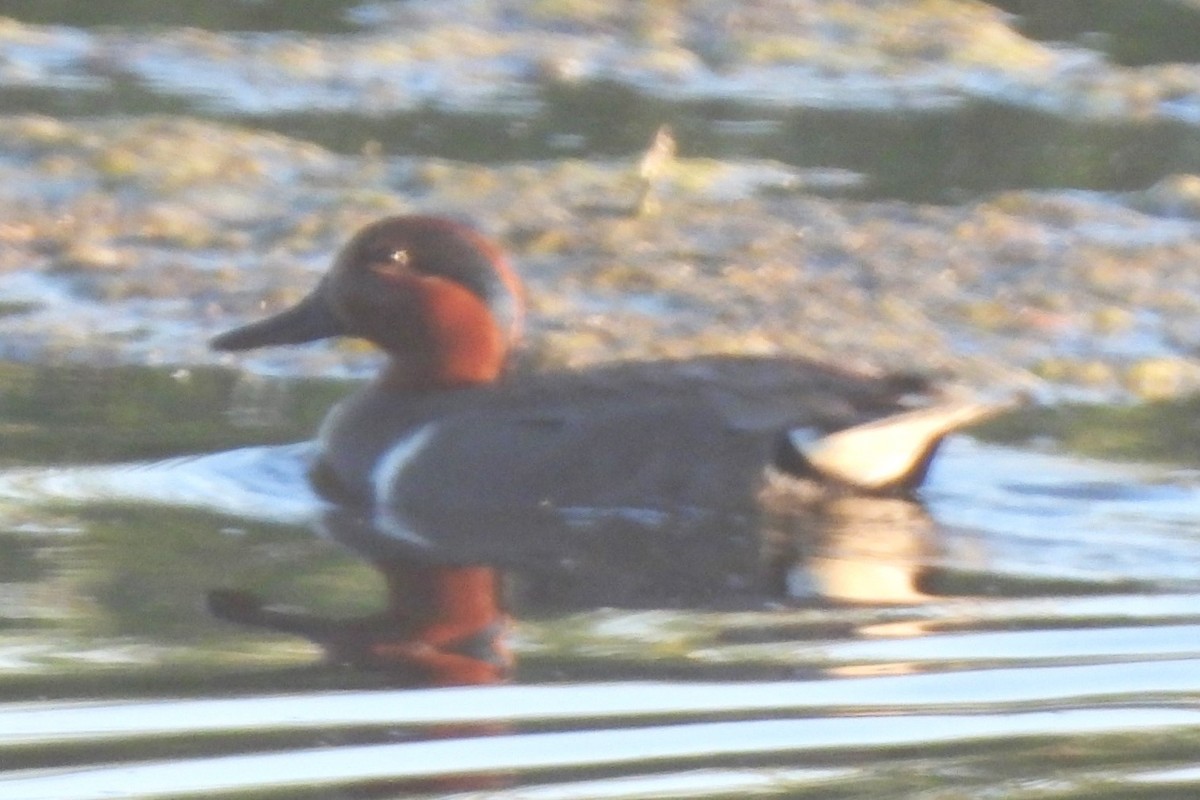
{"x": 871, "y": 433}
{"x": 750, "y": 392}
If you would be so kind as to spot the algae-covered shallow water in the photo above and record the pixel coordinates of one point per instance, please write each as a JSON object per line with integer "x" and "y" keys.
{"x": 1006, "y": 201}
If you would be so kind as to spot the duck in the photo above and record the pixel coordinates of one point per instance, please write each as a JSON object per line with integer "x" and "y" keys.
{"x": 455, "y": 455}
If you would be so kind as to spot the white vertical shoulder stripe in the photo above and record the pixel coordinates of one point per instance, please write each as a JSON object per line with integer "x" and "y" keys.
{"x": 391, "y": 467}
{"x": 388, "y": 472}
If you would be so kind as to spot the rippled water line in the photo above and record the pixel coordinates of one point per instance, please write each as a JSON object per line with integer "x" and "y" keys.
{"x": 23, "y": 724}
{"x": 1026, "y": 647}
{"x": 689, "y": 783}
{"x": 1037, "y": 515}
{"x": 1136, "y": 609}
{"x": 539, "y": 751}
{"x": 1031, "y": 494}
{"x": 267, "y": 484}
{"x": 1036, "y": 488}
{"x": 1183, "y": 775}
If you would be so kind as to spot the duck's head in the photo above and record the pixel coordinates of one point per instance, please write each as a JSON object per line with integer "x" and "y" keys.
{"x": 436, "y": 294}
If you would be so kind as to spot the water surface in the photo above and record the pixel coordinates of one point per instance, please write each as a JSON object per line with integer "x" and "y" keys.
{"x": 1035, "y": 618}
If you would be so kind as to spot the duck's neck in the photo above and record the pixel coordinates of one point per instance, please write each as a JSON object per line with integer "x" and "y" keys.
{"x": 464, "y": 345}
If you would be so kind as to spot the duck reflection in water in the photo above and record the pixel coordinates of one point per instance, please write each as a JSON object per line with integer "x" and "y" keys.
{"x": 447, "y": 614}
{"x": 676, "y": 483}
{"x": 442, "y": 625}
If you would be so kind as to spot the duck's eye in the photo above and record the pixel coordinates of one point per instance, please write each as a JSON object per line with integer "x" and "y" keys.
{"x": 392, "y": 264}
